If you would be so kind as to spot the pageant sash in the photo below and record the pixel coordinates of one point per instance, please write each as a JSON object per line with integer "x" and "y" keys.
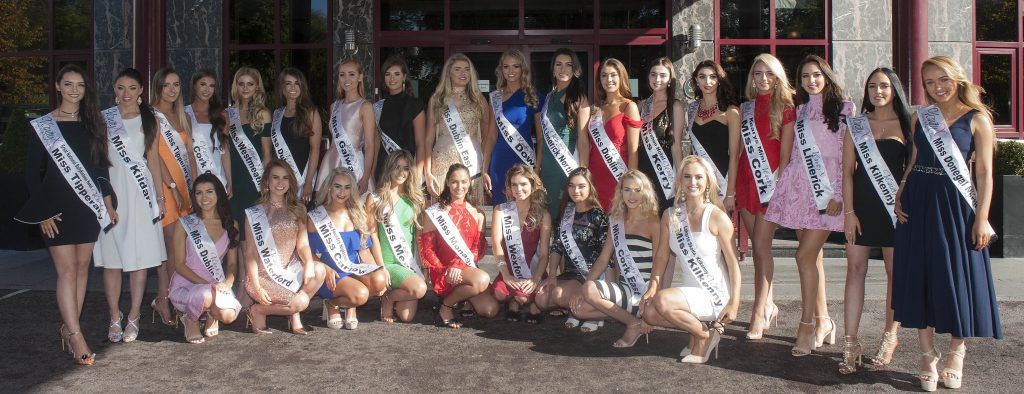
{"x": 946, "y": 150}
{"x": 71, "y": 168}
{"x": 203, "y": 245}
{"x": 281, "y": 147}
{"x": 390, "y": 146}
{"x": 698, "y": 149}
{"x": 662, "y": 165}
{"x": 686, "y": 252}
{"x": 249, "y": 155}
{"x": 508, "y": 132}
{"x": 450, "y": 234}
{"x": 289, "y": 277}
{"x": 605, "y": 147}
{"x": 814, "y": 163}
{"x": 201, "y": 152}
{"x": 463, "y": 145}
{"x": 563, "y": 156}
{"x": 400, "y": 247}
{"x": 119, "y": 139}
{"x": 572, "y": 249}
{"x": 627, "y": 266}
{"x": 335, "y": 245}
{"x": 346, "y": 149}
{"x": 177, "y": 147}
{"x": 874, "y": 165}
{"x": 513, "y": 236}
{"x": 764, "y": 180}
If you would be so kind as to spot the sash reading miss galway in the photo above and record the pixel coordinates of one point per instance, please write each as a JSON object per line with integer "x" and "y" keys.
{"x": 686, "y": 253}
{"x": 176, "y": 146}
{"x": 512, "y": 234}
{"x": 572, "y": 250}
{"x": 946, "y": 150}
{"x": 764, "y": 180}
{"x": 450, "y": 234}
{"x": 466, "y": 149}
{"x": 814, "y": 164}
{"x": 627, "y": 266}
{"x": 698, "y": 149}
{"x": 390, "y": 146}
{"x": 874, "y": 165}
{"x": 563, "y": 156}
{"x": 605, "y": 147}
{"x": 289, "y": 277}
{"x": 281, "y": 147}
{"x": 71, "y": 168}
{"x": 400, "y": 247}
{"x": 249, "y": 155}
{"x": 662, "y": 165}
{"x": 335, "y": 245}
{"x": 509, "y": 133}
{"x": 203, "y": 245}
{"x": 118, "y": 137}
{"x": 346, "y": 149}
{"x": 201, "y": 152}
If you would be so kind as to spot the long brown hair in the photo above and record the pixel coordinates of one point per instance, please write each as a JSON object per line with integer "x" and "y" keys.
{"x": 832, "y": 96}
{"x": 623, "y": 80}
{"x": 410, "y": 189}
{"x": 291, "y": 199}
{"x": 92, "y": 119}
{"x": 445, "y": 199}
{"x": 538, "y": 197}
{"x": 397, "y": 61}
{"x": 178, "y": 107}
{"x": 219, "y": 131}
{"x": 149, "y": 127}
{"x": 223, "y": 208}
{"x": 592, "y": 200}
{"x": 575, "y": 92}
{"x": 302, "y": 126}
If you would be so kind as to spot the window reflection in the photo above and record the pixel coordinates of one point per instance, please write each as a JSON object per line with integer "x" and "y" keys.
{"x": 634, "y": 14}
{"x": 425, "y": 65}
{"x": 636, "y": 59}
{"x": 563, "y": 14}
{"x": 997, "y": 79}
{"x": 72, "y": 22}
{"x": 32, "y": 38}
{"x": 997, "y": 20}
{"x": 486, "y": 15}
{"x": 412, "y": 15}
{"x": 799, "y": 19}
{"x": 736, "y": 60}
{"x": 744, "y": 18}
{"x": 303, "y": 21}
{"x": 252, "y": 22}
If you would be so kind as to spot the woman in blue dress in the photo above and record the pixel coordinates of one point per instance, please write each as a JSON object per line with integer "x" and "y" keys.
{"x": 519, "y": 117}
{"x": 942, "y": 277}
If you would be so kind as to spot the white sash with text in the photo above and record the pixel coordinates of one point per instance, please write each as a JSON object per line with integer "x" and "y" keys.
{"x": 464, "y": 146}
{"x": 390, "y": 146}
{"x": 450, "y": 234}
{"x": 347, "y": 152}
{"x": 605, "y": 147}
{"x": 764, "y": 179}
{"x": 335, "y": 245}
{"x": 249, "y": 155}
{"x": 659, "y": 158}
{"x": 136, "y": 166}
{"x": 814, "y": 163}
{"x": 203, "y": 245}
{"x": 698, "y": 149}
{"x": 874, "y": 165}
{"x": 686, "y": 254}
{"x": 177, "y": 147}
{"x": 563, "y": 156}
{"x": 281, "y": 147}
{"x": 946, "y": 150}
{"x": 289, "y": 277}
{"x": 509, "y": 133}
{"x": 512, "y": 234}
{"x": 200, "y": 151}
{"x": 628, "y": 270}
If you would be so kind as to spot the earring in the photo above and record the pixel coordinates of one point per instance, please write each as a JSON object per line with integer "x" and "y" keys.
{"x": 138, "y": 100}
{"x": 707, "y": 195}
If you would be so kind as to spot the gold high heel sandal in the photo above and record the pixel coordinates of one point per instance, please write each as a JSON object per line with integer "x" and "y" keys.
{"x": 196, "y": 337}
{"x": 884, "y": 355}
{"x": 163, "y": 319}
{"x": 852, "y": 355}
{"x": 65, "y": 345}
{"x": 249, "y": 323}
{"x": 297, "y": 329}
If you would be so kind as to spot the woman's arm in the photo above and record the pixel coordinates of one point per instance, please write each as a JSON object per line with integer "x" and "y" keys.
{"x": 370, "y": 206}
{"x": 662, "y": 253}
{"x": 733, "y": 120}
{"x": 582, "y": 135}
{"x": 900, "y": 215}
{"x": 602, "y": 260}
{"x": 984, "y": 146}
{"x": 371, "y": 144}
{"x": 538, "y": 133}
{"x": 722, "y": 227}
{"x": 176, "y": 254}
{"x": 419, "y": 127}
{"x": 543, "y": 248}
{"x": 426, "y": 151}
{"x": 632, "y": 135}
{"x": 679, "y": 123}
{"x": 786, "y": 150}
{"x": 489, "y": 135}
{"x": 314, "y": 156}
{"x": 153, "y": 161}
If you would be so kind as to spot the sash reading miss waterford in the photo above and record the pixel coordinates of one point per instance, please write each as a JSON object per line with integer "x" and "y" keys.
{"x": 662, "y": 165}
{"x": 698, "y": 149}
{"x": 627, "y": 266}
{"x": 513, "y": 236}
{"x": 450, "y": 234}
{"x": 814, "y": 163}
{"x": 874, "y": 165}
{"x": 605, "y": 147}
{"x": 509, "y": 133}
{"x": 346, "y": 149}
{"x": 400, "y": 247}
{"x": 289, "y": 277}
{"x": 201, "y": 152}
{"x": 118, "y": 137}
{"x": 71, "y": 168}
{"x": 335, "y": 245}
{"x": 203, "y": 245}
{"x": 249, "y": 155}
{"x": 563, "y": 156}
{"x": 390, "y": 146}
{"x": 177, "y": 147}
{"x": 465, "y": 147}
{"x": 686, "y": 253}
{"x": 572, "y": 250}
{"x": 946, "y": 150}
{"x": 281, "y": 147}
{"x": 764, "y": 180}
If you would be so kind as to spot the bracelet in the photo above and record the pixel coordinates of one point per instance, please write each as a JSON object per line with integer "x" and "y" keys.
{"x": 849, "y": 213}
{"x": 731, "y": 196}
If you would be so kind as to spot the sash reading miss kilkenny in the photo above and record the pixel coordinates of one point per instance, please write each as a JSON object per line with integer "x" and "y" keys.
{"x": 136, "y": 166}
{"x": 874, "y": 165}
{"x": 686, "y": 253}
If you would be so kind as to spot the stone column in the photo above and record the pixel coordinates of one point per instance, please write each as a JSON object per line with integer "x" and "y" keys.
{"x": 195, "y": 39}
{"x": 684, "y": 14}
{"x": 113, "y": 22}
{"x": 355, "y": 15}
{"x": 861, "y": 41}
{"x": 951, "y": 31}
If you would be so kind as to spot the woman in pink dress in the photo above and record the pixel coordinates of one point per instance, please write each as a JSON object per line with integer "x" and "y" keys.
{"x": 617, "y": 121}
{"x": 813, "y": 210}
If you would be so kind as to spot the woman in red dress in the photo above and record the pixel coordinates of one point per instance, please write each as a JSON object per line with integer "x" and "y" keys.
{"x": 620, "y": 118}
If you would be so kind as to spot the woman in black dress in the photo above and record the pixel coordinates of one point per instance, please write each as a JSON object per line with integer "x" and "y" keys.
{"x": 715, "y": 124}
{"x": 400, "y": 116}
{"x": 869, "y": 222}
{"x": 69, "y": 224}
{"x": 662, "y": 116}
{"x": 298, "y": 124}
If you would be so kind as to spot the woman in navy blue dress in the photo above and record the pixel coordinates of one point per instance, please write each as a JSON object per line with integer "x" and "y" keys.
{"x": 520, "y": 106}
{"x": 942, "y": 277}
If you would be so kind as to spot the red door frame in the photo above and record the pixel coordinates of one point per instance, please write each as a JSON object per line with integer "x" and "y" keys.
{"x": 1016, "y": 50}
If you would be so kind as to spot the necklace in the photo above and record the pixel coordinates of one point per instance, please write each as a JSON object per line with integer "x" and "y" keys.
{"x": 707, "y": 113}
{"x": 460, "y": 94}
{"x": 71, "y": 114}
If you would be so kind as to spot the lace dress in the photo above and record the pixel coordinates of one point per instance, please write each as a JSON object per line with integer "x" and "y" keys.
{"x": 445, "y": 154}
{"x": 437, "y": 256}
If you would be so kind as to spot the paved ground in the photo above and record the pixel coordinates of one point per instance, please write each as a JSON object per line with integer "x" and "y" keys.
{"x": 485, "y": 355}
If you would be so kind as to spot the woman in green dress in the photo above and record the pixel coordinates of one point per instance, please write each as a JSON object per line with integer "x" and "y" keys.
{"x": 565, "y": 113}
{"x": 250, "y": 116}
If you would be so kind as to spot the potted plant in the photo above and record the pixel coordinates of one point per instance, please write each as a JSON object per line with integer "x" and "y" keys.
{"x": 15, "y": 235}
{"x": 1006, "y": 216}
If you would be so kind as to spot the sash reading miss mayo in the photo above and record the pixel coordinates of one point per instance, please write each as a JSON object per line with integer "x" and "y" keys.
{"x": 604, "y": 146}
{"x": 203, "y": 245}
{"x": 686, "y": 253}
{"x": 71, "y": 168}
{"x": 662, "y": 165}
{"x": 335, "y": 245}
{"x": 698, "y": 149}
{"x": 465, "y": 147}
{"x": 946, "y": 150}
{"x": 814, "y": 163}
{"x": 572, "y": 250}
{"x": 289, "y": 277}
{"x": 346, "y": 149}
{"x": 874, "y": 165}
{"x": 281, "y": 147}
{"x": 563, "y": 156}
{"x": 119, "y": 139}
{"x": 204, "y": 161}
{"x": 249, "y": 155}
{"x": 400, "y": 247}
{"x": 450, "y": 234}
{"x": 390, "y": 146}
{"x": 764, "y": 180}
{"x": 627, "y": 266}
{"x": 177, "y": 147}
{"x": 512, "y": 234}
{"x": 509, "y": 133}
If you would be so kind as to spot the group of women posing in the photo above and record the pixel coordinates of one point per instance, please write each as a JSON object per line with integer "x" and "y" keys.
{"x": 574, "y": 185}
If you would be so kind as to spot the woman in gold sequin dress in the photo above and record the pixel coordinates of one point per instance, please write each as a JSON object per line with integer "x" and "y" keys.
{"x": 286, "y": 218}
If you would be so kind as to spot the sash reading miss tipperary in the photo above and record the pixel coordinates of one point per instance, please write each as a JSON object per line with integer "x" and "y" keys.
{"x": 118, "y": 137}
{"x": 390, "y": 146}
{"x": 289, "y": 277}
{"x": 464, "y": 146}
{"x": 572, "y": 250}
{"x": 698, "y": 149}
{"x": 250, "y": 156}
{"x": 71, "y": 168}
{"x": 201, "y": 152}
{"x": 605, "y": 147}
{"x": 513, "y": 236}
{"x": 563, "y": 156}
{"x": 874, "y": 165}
{"x": 177, "y": 147}
{"x": 814, "y": 164}
{"x": 628, "y": 271}
{"x": 346, "y": 149}
{"x": 946, "y": 150}
{"x": 335, "y": 245}
{"x": 764, "y": 180}
{"x": 509, "y": 133}
{"x": 450, "y": 234}
{"x": 686, "y": 253}
{"x": 662, "y": 165}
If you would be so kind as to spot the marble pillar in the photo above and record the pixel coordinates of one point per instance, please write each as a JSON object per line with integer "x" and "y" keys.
{"x": 357, "y": 16}
{"x": 195, "y": 38}
{"x": 861, "y": 41}
{"x": 685, "y": 13}
{"x": 113, "y": 22}
{"x": 951, "y": 30}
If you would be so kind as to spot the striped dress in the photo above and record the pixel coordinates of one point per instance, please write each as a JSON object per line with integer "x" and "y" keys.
{"x": 642, "y": 251}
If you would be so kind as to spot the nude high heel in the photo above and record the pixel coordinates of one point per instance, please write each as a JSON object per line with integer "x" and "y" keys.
{"x": 828, "y": 337}
{"x": 714, "y": 341}
{"x": 930, "y": 378}
{"x": 771, "y": 314}
{"x": 951, "y": 378}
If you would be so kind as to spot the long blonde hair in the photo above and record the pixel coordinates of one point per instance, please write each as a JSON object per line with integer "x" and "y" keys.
{"x": 966, "y": 91}
{"x": 782, "y": 91}
{"x": 710, "y": 189}
{"x": 353, "y": 205}
{"x": 338, "y": 91}
{"x": 258, "y": 104}
{"x": 291, "y": 198}
{"x": 538, "y": 197}
{"x": 439, "y": 100}
{"x": 409, "y": 189}
{"x": 525, "y": 79}
{"x": 648, "y": 205}
{"x": 178, "y": 108}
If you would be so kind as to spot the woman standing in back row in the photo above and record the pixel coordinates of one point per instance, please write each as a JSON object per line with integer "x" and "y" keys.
{"x": 614, "y": 130}
{"x": 661, "y": 135}
{"x": 561, "y": 138}
{"x": 295, "y": 130}
{"x": 351, "y": 126}
{"x": 515, "y": 105}
{"x": 249, "y": 130}
{"x": 400, "y": 119}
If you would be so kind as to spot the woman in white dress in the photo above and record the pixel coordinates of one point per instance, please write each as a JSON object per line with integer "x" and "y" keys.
{"x": 137, "y": 242}
{"x": 209, "y": 128}
{"x": 354, "y": 115}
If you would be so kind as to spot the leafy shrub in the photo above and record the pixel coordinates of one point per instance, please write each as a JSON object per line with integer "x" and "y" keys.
{"x": 1010, "y": 158}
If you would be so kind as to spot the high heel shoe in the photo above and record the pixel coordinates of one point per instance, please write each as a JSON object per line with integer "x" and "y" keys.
{"x": 771, "y": 314}
{"x": 114, "y": 332}
{"x": 212, "y": 326}
{"x": 454, "y": 322}
{"x": 951, "y": 378}
{"x": 590, "y": 326}
{"x": 131, "y": 330}
{"x": 163, "y": 319}
{"x": 335, "y": 322}
{"x": 195, "y": 337}
{"x": 620, "y": 343}
{"x": 350, "y": 324}
{"x": 930, "y": 378}
{"x": 86, "y": 359}
{"x": 885, "y": 349}
{"x": 571, "y": 322}
{"x": 249, "y": 323}
{"x": 297, "y": 329}
{"x": 828, "y": 337}
{"x": 852, "y": 355}
{"x": 799, "y": 351}
{"x": 713, "y": 341}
